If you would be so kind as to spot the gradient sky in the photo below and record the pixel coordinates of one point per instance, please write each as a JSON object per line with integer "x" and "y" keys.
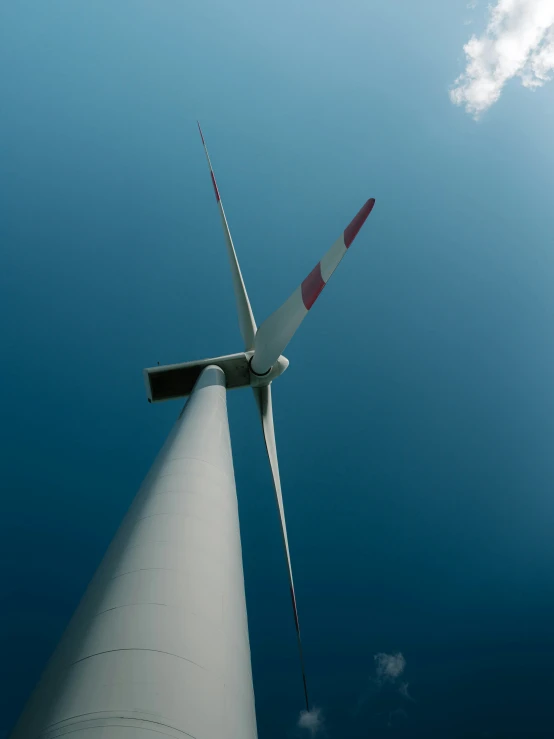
{"x": 415, "y": 425}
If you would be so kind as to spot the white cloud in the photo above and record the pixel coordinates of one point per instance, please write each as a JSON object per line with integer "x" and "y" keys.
{"x": 389, "y": 666}
{"x": 403, "y": 690}
{"x": 311, "y": 720}
{"x": 518, "y": 42}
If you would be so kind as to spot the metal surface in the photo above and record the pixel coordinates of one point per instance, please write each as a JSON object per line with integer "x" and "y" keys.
{"x": 159, "y": 643}
{"x": 276, "y": 331}
{"x": 177, "y": 380}
{"x": 265, "y": 407}
{"x": 247, "y": 323}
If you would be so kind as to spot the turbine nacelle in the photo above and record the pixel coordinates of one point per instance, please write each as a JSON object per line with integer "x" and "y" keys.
{"x": 172, "y": 381}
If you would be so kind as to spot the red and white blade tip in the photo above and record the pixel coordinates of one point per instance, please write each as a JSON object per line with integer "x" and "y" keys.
{"x": 314, "y": 283}
{"x": 351, "y": 231}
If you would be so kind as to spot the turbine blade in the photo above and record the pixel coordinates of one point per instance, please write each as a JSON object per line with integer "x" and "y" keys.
{"x": 263, "y": 400}
{"x": 246, "y": 317}
{"x": 276, "y": 331}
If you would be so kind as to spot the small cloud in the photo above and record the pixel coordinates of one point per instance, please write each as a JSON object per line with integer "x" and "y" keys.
{"x": 403, "y": 690}
{"x": 383, "y": 687}
{"x": 389, "y": 666}
{"x": 311, "y": 720}
{"x": 517, "y": 42}
{"x": 472, "y": 4}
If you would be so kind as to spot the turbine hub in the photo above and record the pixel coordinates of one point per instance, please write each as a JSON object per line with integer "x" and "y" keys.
{"x": 278, "y": 368}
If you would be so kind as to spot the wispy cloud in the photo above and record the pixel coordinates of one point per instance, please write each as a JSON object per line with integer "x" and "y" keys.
{"x": 518, "y": 42}
{"x": 472, "y": 4}
{"x": 311, "y": 720}
{"x": 389, "y": 666}
{"x": 403, "y": 690}
{"x": 386, "y": 692}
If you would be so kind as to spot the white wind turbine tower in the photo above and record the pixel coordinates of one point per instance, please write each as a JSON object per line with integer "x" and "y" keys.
{"x": 159, "y": 642}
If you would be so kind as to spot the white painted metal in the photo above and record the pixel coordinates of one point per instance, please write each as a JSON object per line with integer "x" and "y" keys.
{"x": 279, "y": 366}
{"x": 265, "y": 407}
{"x": 330, "y": 260}
{"x": 159, "y": 643}
{"x": 172, "y": 381}
{"x": 276, "y": 331}
{"x": 244, "y": 310}
{"x": 247, "y": 323}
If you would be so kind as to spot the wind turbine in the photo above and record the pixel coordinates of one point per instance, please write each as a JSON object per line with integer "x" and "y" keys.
{"x": 159, "y": 642}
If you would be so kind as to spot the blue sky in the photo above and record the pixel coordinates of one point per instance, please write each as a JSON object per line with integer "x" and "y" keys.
{"x": 416, "y": 421}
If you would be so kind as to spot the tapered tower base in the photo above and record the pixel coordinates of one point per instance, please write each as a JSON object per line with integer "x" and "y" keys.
{"x": 159, "y": 643}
